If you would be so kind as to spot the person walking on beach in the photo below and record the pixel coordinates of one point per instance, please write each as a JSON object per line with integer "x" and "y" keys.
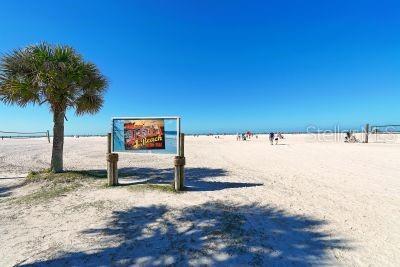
{"x": 271, "y": 138}
{"x": 277, "y": 137}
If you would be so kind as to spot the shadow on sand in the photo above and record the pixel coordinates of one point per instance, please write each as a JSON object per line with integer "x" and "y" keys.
{"x": 6, "y": 190}
{"x": 12, "y": 178}
{"x": 214, "y": 233}
{"x": 196, "y": 179}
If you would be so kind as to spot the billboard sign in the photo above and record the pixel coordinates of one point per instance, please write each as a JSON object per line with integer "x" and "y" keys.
{"x": 146, "y": 135}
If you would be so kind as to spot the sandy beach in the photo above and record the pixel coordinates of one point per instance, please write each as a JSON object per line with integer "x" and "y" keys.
{"x": 302, "y": 202}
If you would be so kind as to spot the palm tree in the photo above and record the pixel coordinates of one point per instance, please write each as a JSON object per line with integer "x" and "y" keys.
{"x": 56, "y": 75}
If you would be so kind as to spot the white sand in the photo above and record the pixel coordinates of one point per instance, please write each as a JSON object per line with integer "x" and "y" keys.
{"x": 305, "y": 202}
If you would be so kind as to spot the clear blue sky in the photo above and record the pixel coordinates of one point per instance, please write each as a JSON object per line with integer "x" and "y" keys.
{"x": 222, "y": 65}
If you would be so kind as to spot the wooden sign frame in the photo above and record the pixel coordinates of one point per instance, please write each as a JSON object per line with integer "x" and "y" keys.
{"x": 178, "y": 131}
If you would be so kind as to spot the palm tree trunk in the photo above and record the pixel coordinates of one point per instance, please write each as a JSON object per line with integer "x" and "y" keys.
{"x": 58, "y": 141}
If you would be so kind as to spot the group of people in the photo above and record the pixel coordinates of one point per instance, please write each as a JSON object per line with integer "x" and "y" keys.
{"x": 273, "y": 137}
{"x": 245, "y": 136}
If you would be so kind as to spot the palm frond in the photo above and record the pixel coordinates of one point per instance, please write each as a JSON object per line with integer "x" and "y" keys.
{"x": 19, "y": 92}
{"x": 88, "y": 103}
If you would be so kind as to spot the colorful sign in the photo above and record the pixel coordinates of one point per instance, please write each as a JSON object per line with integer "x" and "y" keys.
{"x": 156, "y": 135}
{"x": 144, "y": 134}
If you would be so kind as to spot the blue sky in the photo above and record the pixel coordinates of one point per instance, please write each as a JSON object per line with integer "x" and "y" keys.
{"x": 221, "y": 65}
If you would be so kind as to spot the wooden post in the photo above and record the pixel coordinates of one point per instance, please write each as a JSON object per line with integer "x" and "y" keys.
{"x": 109, "y": 143}
{"x": 182, "y": 155}
{"x": 177, "y": 180}
{"x": 179, "y": 163}
{"x": 112, "y": 169}
{"x": 112, "y": 166}
{"x": 48, "y": 136}
{"x": 366, "y": 133}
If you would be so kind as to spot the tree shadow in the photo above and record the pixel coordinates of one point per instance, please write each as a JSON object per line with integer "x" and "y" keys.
{"x": 211, "y": 234}
{"x": 12, "y": 178}
{"x": 6, "y": 190}
{"x": 196, "y": 179}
